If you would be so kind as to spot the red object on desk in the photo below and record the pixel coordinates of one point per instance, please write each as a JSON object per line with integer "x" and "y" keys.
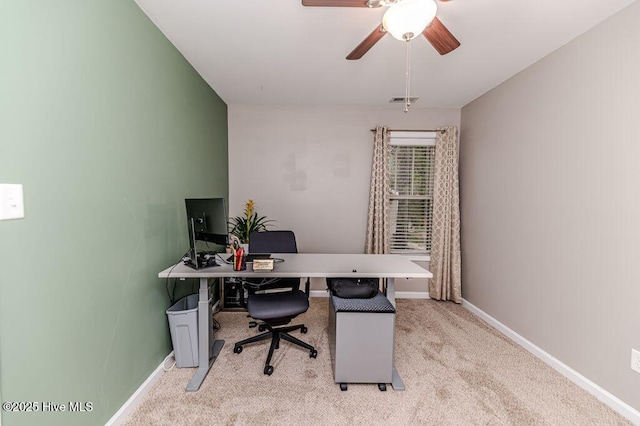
{"x": 238, "y": 260}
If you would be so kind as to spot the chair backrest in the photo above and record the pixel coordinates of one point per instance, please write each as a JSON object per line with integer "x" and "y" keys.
{"x": 272, "y": 242}
{"x": 275, "y": 242}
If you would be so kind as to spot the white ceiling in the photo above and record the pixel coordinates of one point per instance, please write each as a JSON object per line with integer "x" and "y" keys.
{"x": 278, "y": 52}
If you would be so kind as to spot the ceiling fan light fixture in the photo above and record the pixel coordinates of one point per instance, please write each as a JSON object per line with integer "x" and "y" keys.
{"x": 407, "y": 19}
{"x": 379, "y": 3}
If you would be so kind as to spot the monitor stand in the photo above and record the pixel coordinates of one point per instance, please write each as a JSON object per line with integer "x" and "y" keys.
{"x": 198, "y": 259}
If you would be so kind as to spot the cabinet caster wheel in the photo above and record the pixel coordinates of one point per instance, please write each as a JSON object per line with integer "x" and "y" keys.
{"x": 313, "y": 353}
{"x": 237, "y": 349}
{"x": 382, "y": 387}
{"x": 304, "y": 330}
{"x": 268, "y": 370}
{"x": 343, "y": 387}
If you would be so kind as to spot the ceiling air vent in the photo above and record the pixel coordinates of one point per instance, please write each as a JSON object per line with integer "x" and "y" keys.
{"x": 400, "y": 100}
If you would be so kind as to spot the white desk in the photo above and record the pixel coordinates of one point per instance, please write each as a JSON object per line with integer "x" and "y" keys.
{"x": 387, "y": 266}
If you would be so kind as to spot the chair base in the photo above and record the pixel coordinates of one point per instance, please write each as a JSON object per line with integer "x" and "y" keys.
{"x": 275, "y": 334}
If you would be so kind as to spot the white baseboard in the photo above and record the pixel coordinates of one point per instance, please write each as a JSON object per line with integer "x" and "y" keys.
{"x": 132, "y": 403}
{"x": 412, "y": 295}
{"x": 601, "y": 394}
{"x": 399, "y": 294}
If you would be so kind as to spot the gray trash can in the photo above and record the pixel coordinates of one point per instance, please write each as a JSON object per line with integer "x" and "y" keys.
{"x": 183, "y": 324}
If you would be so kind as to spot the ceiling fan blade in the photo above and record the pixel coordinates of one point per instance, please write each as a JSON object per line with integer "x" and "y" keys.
{"x": 440, "y": 37}
{"x": 367, "y": 43}
{"x": 335, "y": 3}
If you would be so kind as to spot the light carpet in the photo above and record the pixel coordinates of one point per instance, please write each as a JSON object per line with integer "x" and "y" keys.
{"x": 457, "y": 371}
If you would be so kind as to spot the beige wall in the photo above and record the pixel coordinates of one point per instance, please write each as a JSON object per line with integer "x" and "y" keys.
{"x": 550, "y": 184}
{"x": 309, "y": 169}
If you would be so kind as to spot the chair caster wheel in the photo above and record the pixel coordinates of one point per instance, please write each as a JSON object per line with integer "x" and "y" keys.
{"x": 382, "y": 386}
{"x": 252, "y": 324}
{"x": 304, "y": 330}
{"x": 268, "y": 370}
{"x": 313, "y": 353}
{"x": 261, "y": 327}
{"x": 343, "y": 387}
{"x": 237, "y": 349}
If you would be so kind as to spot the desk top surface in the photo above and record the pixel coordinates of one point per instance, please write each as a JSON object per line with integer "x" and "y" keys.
{"x": 314, "y": 265}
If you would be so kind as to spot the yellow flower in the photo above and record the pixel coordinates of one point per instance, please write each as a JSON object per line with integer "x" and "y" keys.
{"x": 242, "y": 227}
{"x": 249, "y": 208}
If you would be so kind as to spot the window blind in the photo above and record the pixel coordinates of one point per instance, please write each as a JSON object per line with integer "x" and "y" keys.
{"x": 411, "y": 165}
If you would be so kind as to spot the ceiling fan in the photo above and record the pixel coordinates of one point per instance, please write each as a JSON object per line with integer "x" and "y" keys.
{"x": 435, "y": 32}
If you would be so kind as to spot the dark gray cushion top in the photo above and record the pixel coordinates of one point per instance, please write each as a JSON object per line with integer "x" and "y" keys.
{"x": 378, "y": 303}
{"x": 277, "y": 305}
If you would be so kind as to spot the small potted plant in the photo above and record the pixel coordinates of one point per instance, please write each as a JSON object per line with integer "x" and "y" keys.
{"x": 243, "y": 226}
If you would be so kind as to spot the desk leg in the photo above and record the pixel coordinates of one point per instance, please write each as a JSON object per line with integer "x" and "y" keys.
{"x": 390, "y": 291}
{"x": 208, "y": 349}
{"x": 396, "y": 380}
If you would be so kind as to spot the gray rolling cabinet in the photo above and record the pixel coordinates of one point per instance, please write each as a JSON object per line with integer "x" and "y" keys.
{"x": 361, "y": 336}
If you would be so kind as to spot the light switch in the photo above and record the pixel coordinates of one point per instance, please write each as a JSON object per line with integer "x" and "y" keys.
{"x": 11, "y": 201}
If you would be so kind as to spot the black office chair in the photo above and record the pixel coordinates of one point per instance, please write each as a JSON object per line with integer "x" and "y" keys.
{"x": 275, "y": 309}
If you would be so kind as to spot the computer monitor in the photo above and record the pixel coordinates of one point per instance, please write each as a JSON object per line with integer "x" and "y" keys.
{"x": 207, "y": 221}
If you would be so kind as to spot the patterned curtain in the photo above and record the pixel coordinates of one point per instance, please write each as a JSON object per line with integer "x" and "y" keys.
{"x": 445, "y": 245}
{"x": 377, "y": 240}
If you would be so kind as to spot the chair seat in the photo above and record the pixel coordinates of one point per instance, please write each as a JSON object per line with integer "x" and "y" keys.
{"x": 277, "y": 305}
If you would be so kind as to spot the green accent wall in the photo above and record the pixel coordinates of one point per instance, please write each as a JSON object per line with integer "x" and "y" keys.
{"x": 109, "y": 129}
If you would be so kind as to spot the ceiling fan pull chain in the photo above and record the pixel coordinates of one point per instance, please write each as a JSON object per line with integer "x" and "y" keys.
{"x": 407, "y": 102}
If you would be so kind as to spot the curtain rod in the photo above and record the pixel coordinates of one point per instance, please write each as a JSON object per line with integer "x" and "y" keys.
{"x": 404, "y": 130}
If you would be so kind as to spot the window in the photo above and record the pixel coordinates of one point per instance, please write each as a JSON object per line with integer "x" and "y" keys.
{"x": 411, "y": 165}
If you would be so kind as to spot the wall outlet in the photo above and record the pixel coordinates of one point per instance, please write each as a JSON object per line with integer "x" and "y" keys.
{"x": 635, "y": 360}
